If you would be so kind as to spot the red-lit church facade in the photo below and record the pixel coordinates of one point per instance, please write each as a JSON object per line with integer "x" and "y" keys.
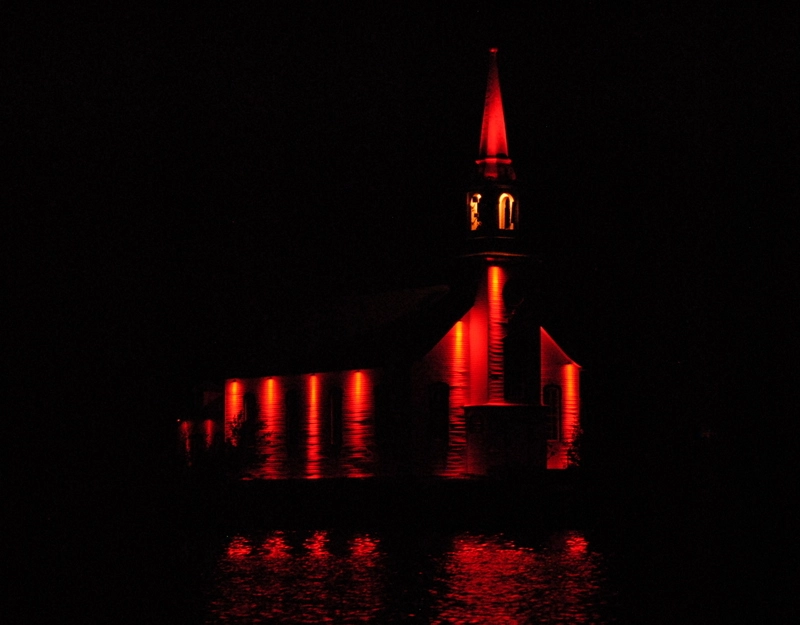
{"x": 465, "y": 384}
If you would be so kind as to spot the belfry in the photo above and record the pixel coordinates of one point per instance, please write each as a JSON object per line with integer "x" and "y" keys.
{"x": 492, "y": 204}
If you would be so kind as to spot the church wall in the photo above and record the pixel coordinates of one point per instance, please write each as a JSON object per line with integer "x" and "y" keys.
{"x": 448, "y": 363}
{"x": 304, "y": 426}
{"x": 469, "y": 361}
{"x": 496, "y": 330}
{"x": 358, "y": 424}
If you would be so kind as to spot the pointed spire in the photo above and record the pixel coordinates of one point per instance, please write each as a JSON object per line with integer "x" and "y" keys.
{"x": 493, "y": 131}
{"x": 494, "y": 162}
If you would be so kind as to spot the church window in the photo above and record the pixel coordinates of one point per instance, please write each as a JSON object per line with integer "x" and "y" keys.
{"x": 506, "y": 212}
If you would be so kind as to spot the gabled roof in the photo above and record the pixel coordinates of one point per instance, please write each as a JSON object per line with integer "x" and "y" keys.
{"x": 552, "y": 353}
{"x": 355, "y": 332}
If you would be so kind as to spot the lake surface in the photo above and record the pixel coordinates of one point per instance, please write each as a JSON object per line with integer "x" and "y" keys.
{"x": 652, "y": 548}
{"x": 416, "y": 574}
{"x": 335, "y": 576}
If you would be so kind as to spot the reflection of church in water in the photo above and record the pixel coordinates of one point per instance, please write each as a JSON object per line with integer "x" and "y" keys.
{"x": 450, "y": 381}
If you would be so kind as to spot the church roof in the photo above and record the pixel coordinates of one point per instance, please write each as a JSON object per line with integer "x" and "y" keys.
{"x": 352, "y": 332}
{"x": 494, "y": 161}
{"x": 493, "y": 129}
{"x": 552, "y": 353}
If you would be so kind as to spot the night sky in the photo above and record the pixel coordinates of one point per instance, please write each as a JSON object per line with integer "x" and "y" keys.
{"x": 176, "y": 177}
{"x": 174, "y": 172}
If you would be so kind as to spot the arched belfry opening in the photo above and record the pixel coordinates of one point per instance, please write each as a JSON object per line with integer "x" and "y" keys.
{"x": 506, "y": 212}
{"x": 474, "y": 202}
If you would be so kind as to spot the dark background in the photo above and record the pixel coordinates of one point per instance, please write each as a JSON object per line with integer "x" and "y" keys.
{"x": 175, "y": 177}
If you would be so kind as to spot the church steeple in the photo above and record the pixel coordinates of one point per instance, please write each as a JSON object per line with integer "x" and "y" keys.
{"x": 494, "y": 162}
{"x": 492, "y": 205}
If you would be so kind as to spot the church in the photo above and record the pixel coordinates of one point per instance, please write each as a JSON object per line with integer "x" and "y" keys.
{"x": 452, "y": 381}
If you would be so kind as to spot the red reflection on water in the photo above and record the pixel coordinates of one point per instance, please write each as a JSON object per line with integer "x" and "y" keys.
{"x": 493, "y": 580}
{"x": 486, "y": 580}
{"x": 364, "y": 547}
{"x": 358, "y": 434}
{"x": 317, "y": 545}
{"x": 316, "y": 577}
{"x": 286, "y": 579}
{"x": 576, "y": 545}
{"x": 274, "y": 550}
{"x": 238, "y": 549}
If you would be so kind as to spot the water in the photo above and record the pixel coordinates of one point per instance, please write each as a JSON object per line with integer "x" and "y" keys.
{"x": 648, "y": 548}
{"x": 418, "y": 574}
{"x": 335, "y": 576}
